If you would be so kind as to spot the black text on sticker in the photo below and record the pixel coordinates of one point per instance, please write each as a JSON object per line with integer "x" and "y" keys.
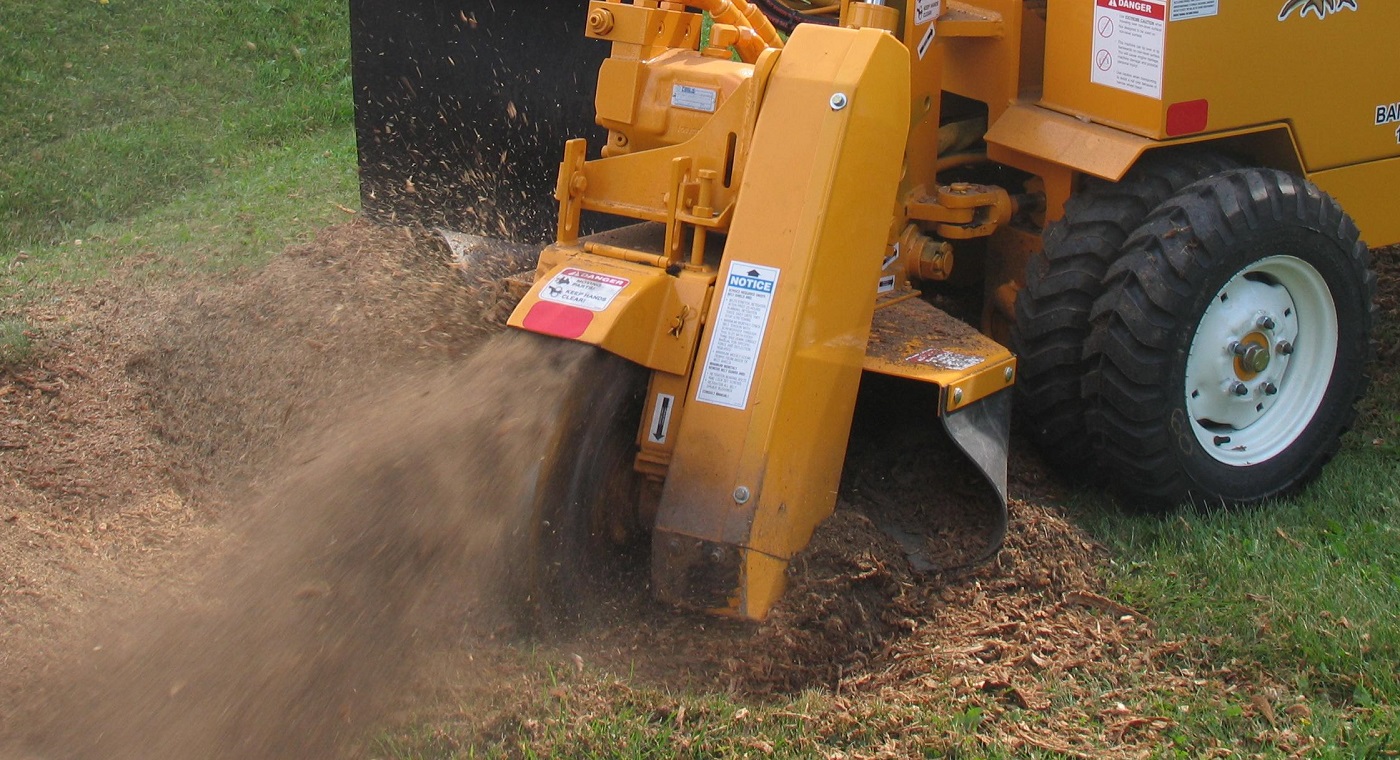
{"x": 1387, "y": 114}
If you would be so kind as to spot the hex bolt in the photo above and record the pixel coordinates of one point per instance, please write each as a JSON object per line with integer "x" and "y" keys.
{"x": 741, "y": 495}
{"x": 957, "y": 396}
{"x": 1270, "y": 389}
{"x": 1009, "y": 374}
{"x": 1284, "y": 348}
{"x": 839, "y": 101}
{"x": 1239, "y": 389}
{"x": 1265, "y": 322}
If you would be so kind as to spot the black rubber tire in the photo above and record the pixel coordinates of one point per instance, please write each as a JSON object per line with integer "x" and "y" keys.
{"x": 1145, "y": 324}
{"x": 587, "y": 487}
{"x": 1062, "y": 283}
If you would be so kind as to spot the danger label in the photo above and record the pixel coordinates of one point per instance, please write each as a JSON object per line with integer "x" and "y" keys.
{"x": 744, "y": 309}
{"x": 584, "y": 289}
{"x": 1130, "y": 42}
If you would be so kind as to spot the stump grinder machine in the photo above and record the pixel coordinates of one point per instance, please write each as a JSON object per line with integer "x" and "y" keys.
{"x": 1141, "y": 219}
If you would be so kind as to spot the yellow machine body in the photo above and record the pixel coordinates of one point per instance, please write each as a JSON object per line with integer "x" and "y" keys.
{"x": 791, "y": 194}
{"x": 1089, "y": 86}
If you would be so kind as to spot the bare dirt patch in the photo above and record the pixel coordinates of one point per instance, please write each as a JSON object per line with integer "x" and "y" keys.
{"x": 171, "y": 461}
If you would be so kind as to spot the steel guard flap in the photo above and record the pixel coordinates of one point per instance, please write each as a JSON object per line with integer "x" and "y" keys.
{"x": 1095, "y": 149}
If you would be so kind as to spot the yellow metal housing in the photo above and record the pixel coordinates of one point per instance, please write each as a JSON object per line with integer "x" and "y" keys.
{"x": 757, "y": 462}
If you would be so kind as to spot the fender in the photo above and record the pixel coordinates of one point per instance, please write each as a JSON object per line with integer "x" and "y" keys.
{"x": 635, "y": 310}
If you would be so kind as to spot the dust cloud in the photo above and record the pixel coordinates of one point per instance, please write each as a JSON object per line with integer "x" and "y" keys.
{"x": 406, "y": 524}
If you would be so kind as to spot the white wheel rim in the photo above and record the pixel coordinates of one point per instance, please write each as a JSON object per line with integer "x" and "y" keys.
{"x": 1276, "y": 312}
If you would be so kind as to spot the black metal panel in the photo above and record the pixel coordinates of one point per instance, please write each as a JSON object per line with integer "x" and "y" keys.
{"x": 463, "y": 106}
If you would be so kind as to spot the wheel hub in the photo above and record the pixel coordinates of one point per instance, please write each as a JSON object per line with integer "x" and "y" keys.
{"x": 1257, "y": 368}
{"x": 1252, "y": 355}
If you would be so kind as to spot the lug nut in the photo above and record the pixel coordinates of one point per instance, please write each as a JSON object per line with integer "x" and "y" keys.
{"x": 1270, "y": 389}
{"x": 1239, "y": 389}
{"x": 1265, "y": 322}
{"x": 1284, "y": 348}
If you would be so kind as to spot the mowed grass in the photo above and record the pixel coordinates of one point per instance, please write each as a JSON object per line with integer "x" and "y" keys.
{"x": 193, "y": 131}
{"x": 168, "y": 137}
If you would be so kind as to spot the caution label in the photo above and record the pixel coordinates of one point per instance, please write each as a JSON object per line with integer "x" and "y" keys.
{"x": 1130, "y": 43}
{"x": 745, "y": 305}
{"x": 584, "y": 289}
{"x": 927, "y": 10}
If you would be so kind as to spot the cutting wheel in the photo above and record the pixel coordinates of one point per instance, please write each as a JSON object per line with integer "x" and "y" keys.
{"x": 586, "y": 488}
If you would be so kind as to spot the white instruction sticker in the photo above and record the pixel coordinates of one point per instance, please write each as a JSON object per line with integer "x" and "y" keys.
{"x": 744, "y": 307}
{"x": 1130, "y": 43}
{"x": 661, "y": 418}
{"x": 927, "y": 41}
{"x": 584, "y": 289}
{"x": 694, "y": 98}
{"x": 886, "y": 284}
{"x": 927, "y": 10}
{"x": 1185, "y": 9}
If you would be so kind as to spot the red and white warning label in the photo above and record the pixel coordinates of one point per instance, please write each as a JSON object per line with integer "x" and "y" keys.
{"x": 578, "y": 287}
{"x": 1130, "y": 44}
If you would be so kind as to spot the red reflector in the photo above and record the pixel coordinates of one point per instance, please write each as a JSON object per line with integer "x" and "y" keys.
{"x": 557, "y": 319}
{"x": 1187, "y": 118}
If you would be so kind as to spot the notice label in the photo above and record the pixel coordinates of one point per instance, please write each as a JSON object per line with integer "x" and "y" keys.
{"x": 744, "y": 307}
{"x": 584, "y": 289}
{"x": 1130, "y": 43}
{"x": 927, "y": 10}
{"x": 1184, "y": 9}
{"x": 886, "y": 284}
{"x": 694, "y": 98}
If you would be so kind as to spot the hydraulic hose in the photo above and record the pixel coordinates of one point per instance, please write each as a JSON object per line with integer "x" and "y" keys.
{"x": 786, "y": 18}
{"x": 739, "y": 14}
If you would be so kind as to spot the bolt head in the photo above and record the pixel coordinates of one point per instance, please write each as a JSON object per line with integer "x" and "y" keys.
{"x": 1270, "y": 389}
{"x": 839, "y": 101}
{"x": 1239, "y": 389}
{"x": 1284, "y": 348}
{"x": 1265, "y": 322}
{"x": 742, "y": 495}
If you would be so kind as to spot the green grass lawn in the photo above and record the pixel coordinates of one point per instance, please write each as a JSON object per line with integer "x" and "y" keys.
{"x": 178, "y": 136}
{"x": 207, "y": 132}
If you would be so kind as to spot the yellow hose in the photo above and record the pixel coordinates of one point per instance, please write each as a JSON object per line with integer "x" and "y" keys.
{"x": 740, "y": 14}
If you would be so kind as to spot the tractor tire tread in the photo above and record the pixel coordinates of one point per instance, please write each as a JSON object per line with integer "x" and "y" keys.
{"x": 1052, "y": 311}
{"x": 1138, "y": 317}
